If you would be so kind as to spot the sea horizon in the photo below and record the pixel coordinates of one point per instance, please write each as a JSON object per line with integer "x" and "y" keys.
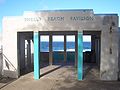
{"x": 59, "y": 46}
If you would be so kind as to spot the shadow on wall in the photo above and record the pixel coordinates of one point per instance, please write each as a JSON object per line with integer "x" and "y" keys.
{"x": 8, "y": 63}
{"x": 5, "y": 80}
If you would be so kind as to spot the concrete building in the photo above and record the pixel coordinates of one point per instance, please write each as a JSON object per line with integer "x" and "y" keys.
{"x": 103, "y": 29}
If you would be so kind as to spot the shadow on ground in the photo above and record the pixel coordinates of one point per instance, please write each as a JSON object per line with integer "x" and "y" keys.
{"x": 59, "y": 78}
{"x": 4, "y": 81}
{"x": 72, "y": 84}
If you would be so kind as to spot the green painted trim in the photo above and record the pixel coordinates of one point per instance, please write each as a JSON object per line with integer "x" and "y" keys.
{"x": 36, "y": 56}
{"x": 80, "y": 56}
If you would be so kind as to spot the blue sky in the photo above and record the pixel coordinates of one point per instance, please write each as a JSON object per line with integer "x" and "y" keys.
{"x": 17, "y": 7}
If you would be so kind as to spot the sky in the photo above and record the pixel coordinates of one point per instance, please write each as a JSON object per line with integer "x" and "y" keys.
{"x": 17, "y": 7}
{"x": 69, "y": 38}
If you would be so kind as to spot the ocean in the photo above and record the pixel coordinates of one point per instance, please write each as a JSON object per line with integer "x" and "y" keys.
{"x": 59, "y": 46}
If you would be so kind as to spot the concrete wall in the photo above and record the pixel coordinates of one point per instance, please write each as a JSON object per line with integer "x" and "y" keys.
{"x": 119, "y": 55}
{"x": 10, "y": 60}
{"x": 109, "y": 58}
{"x": 38, "y": 21}
{"x": 109, "y": 51}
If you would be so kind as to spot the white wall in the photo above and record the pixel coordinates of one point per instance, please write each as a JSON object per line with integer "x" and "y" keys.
{"x": 10, "y": 62}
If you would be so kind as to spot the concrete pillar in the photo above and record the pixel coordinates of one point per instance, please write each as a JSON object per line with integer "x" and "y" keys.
{"x": 22, "y": 53}
{"x": 109, "y": 61}
{"x": 76, "y": 49}
{"x": 97, "y": 50}
{"x": 50, "y": 50}
{"x": 65, "y": 54}
{"x": 93, "y": 48}
{"x": 92, "y": 42}
{"x": 29, "y": 54}
{"x": 80, "y": 56}
{"x": 36, "y": 55}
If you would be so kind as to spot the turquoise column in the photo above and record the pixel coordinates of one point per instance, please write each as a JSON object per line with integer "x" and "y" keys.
{"x": 80, "y": 56}
{"x": 36, "y": 56}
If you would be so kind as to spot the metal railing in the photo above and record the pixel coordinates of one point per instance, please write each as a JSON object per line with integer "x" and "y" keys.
{"x": 4, "y": 58}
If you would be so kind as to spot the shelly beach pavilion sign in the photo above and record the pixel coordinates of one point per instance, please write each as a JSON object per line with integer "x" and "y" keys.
{"x": 59, "y": 16}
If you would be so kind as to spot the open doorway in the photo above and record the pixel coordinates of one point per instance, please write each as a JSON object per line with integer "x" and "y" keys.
{"x": 25, "y": 52}
{"x": 91, "y": 54}
{"x": 54, "y": 48}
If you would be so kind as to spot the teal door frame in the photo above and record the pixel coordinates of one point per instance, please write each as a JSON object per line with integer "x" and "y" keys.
{"x": 80, "y": 56}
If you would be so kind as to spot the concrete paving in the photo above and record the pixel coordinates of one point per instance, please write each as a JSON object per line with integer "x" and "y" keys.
{"x": 5, "y": 81}
{"x": 58, "y": 78}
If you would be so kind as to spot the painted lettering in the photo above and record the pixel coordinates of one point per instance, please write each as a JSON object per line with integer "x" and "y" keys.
{"x": 81, "y": 18}
{"x": 55, "y": 18}
{"x": 33, "y": 19}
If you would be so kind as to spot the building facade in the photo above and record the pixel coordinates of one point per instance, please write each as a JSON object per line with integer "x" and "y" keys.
{"x": 31, "y": 25}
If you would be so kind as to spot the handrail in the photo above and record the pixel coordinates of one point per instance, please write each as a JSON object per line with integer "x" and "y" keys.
{"x": 6, "y": 59}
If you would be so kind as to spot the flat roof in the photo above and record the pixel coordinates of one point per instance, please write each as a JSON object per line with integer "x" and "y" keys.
{"x": 62, "y": 10}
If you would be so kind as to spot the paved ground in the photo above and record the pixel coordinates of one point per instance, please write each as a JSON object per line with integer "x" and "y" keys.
{"x": 59, "y": 78}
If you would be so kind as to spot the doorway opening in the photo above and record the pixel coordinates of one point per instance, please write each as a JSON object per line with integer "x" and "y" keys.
{"x": 91, "y": 54}
{"x": 25, "y": 52}
{"x": 56, "y": 50}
